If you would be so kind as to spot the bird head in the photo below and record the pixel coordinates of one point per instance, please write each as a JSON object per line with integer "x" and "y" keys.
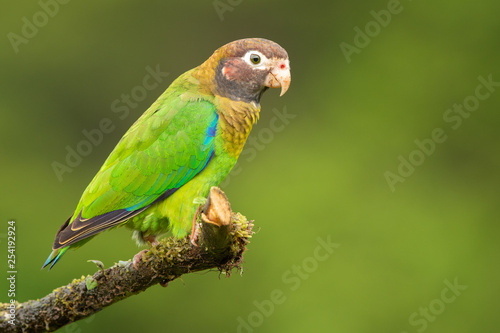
{"x": 242, "y": 70}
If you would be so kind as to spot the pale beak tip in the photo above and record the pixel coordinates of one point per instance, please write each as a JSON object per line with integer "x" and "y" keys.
{"x": 284, "y": 87}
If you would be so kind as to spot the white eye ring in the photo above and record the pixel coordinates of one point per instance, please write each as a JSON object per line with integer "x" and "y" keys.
{"x": 255, "y": 58}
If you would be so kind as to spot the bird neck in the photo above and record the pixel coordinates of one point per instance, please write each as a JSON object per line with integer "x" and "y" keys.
{"x": 236, "y": 119}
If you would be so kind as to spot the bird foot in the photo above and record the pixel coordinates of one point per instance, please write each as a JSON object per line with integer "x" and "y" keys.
{"x": 138, "y": 257}
{"x": 195, "y": 231}
{"x": 152, "y": 241}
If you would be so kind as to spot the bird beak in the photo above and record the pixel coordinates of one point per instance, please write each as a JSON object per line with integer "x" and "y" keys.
{"x": 279, "y": 76}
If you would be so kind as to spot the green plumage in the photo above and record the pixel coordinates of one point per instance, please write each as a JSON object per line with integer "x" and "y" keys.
{"x": 163, "y": 150}
{"x": 184, "y": 144}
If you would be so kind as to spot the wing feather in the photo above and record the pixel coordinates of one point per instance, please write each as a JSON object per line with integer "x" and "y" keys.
{"x": 161, "y": 152}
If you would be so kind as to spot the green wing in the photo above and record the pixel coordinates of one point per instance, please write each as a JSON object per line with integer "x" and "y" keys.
{"x": 164, "y": 149}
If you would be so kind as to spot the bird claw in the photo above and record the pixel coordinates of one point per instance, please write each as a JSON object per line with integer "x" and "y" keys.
{"x": 152, "y": 241}
{"x": 138, "y": 257}
{"x": 195, "y": 233}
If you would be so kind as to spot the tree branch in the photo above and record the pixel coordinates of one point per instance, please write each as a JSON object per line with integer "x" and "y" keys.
{"x": 222, "y": 239}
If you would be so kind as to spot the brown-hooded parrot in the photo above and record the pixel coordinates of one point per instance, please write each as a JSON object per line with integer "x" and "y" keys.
{"x": 185, "y": 143}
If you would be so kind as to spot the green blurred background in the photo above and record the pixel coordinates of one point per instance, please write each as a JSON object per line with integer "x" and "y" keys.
{"x": 320, "y": 174}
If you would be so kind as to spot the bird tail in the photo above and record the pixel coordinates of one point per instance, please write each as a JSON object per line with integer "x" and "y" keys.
{"x": 54, "y": 257}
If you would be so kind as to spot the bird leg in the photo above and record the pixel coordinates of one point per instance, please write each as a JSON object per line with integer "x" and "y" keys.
{"x": 152, "y": 241}
{"x": 194, "y": 230}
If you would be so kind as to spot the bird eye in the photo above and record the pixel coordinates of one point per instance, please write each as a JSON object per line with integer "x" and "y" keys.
{"x": 255, "y": 58}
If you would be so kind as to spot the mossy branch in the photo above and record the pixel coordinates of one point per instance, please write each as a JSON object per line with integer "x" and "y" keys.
{"x": 222, "y": 239}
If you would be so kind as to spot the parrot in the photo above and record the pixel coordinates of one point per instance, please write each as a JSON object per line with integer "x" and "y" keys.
{"x": 187, "y": 141}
